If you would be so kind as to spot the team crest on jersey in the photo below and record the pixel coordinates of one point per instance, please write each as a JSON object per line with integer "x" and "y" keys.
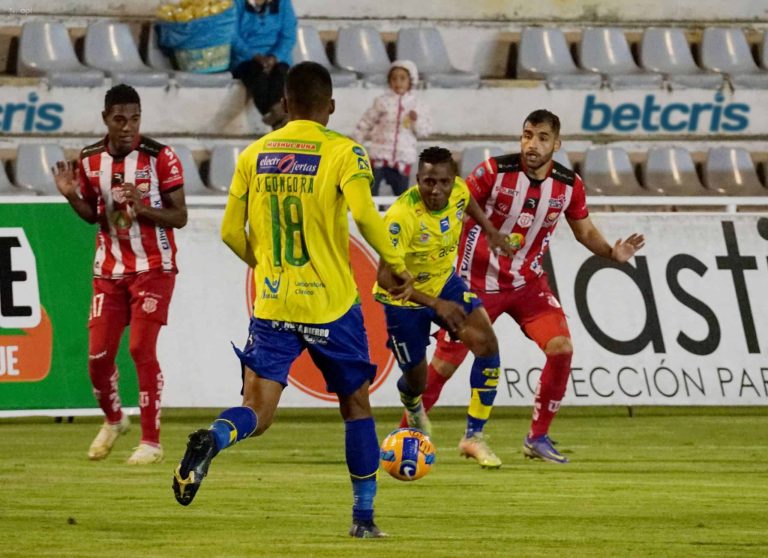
{"x": 288, "y": 163}
{"x": 480, "y": 171}
{"x": 525, "y": 220}
{"x": 149, "y": 305}
{"x": 394, "y": 228}
{"x": 445, "y": 224}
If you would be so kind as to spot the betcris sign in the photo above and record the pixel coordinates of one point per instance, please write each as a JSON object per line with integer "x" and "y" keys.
{"x": 665, "y": 113}
{"x": 30, "y": 115}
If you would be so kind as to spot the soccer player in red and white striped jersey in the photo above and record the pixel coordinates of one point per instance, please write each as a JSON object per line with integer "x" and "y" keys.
{"x": 524, "y": 194}
{"x": 132, "y": 187}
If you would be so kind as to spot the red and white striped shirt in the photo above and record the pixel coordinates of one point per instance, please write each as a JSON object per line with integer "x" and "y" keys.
{"x": 124, "y": 244}
{"x": 527, "y": 210}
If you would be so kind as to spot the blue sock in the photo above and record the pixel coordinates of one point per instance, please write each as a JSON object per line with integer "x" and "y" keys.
{"x": 362, "y": 449}
{"x": 409, "y": 399}
{"x": 483, "y": 380}
{"x": 233, "y": 425}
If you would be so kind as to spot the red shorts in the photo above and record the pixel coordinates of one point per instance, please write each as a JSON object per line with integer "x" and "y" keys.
{"x": 141, "y": 296}
{"x": 533, "y": 306}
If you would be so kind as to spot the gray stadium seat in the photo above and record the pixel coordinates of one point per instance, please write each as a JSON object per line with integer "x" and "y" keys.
{"x": 193, "y": 184}
{"x": 607, "y": 171}
{"x": 309, "y": 47}
{"x": 561, "y": 156}
{"x": 730, "y": 171}
{"x": 109, "y": 46}
{"x": 473, "y": 156}
{"x": 424, "y": 47}
{"x": 8, "y": 189}
{"x": 33, "y": 167}
{"x": 605, "y": 50}
{"x": 544, "y": 54}
{"x": 45, "y": 49}
{"x": 725, "y": 50}
{"x": 671, "y": 171}
{"x": 764, "y": 51}
{"x": 360, "y": 49}
{"x": 222, "y": 166}
{"x": 159, "y": 61}
{"x": 666, "y": 51}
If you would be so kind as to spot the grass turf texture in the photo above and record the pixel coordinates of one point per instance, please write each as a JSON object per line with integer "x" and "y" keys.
{"x": 667, "y": 482}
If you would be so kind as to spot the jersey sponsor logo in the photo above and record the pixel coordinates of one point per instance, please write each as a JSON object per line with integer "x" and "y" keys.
{"x": 466, "y": 257}
{"x": 394, "y": 228}
{"x": 525, "y": 220}
{"x": 273, "y": 286}
{"x": 531, "y": 203}
{"x": 558, "y": 202}
{"x": 460, "y": 214}
{"x": 445, "y": 224}
{"x": 551, "y": 300}
{"x": 510, "y": 191}
{"x": 287, "y": 163}
{"x": 480, "y": 171}
{"x": 293, "y": 145}
{"x": 424, "y": 237}
{"x": 175, "y": 170}
{"x": 551, "y": 218}
{"x": 422, "y": 277}
{"x": 362, "y": 164}
{"x": 93, "y": 174}
{"x": 146, "y": 172}
{"x": 359, "y": 151}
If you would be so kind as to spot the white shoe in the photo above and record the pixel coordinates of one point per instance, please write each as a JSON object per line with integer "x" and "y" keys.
{"x": 146, "y": 454}
{"x": 105, "y": 439}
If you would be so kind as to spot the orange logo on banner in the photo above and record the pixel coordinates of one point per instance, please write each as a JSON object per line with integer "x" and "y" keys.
{"x": 304, "y": 375}
{"x": 27, "y": 357}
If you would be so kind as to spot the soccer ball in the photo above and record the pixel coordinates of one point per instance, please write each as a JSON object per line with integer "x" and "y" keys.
{"x": 407, "y": 454}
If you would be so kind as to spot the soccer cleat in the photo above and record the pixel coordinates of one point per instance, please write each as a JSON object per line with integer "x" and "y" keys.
{"x": 105, "y": 439}
{"x": 365, "y": 530}
{"x": 419, "y": 420}
{"x": 201, "y": 449}
{"x": 146, "y": 454}
{"x": 542, "y": 448}
{"x": 477, "y": 448}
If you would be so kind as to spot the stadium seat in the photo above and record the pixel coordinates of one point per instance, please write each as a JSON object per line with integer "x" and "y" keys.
{"x": 222, "y": 166}
{"x": 33, "y": 167}
{"x": 561, "y": 156}
{"x": 764, "y": 51}
{"x": 309, "y": 47}
{"x": 6, "y": 187}
{"x": 109, "y": 46}
{"x": 473, "y": 156}
{"x": 730, "y": 171}
{"x": 666, "y": 51}
{"x": 45, "y": 49}
{"x": 605, "y": 50}
{"x": 725, "y": 50}
{"x": 361, "y": 50}
{"x": 607, "y": 171}
{"x": 670, "y": 171}
{"x": 157, "y": 60}
{"x": 424, "y": 47}
{"x": 193, "y": 184}
{"x": 544, "y": 54}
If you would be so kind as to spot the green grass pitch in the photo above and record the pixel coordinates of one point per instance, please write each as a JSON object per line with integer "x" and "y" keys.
{"x": 667, "y": 482}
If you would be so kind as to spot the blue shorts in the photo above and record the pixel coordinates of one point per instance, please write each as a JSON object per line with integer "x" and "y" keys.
{"x": 408, "y": 327}
{"x": 339, "y": 349}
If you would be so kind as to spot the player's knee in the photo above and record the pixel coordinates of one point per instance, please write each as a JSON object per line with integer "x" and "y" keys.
{"x": 559, "y": 346}
{"x": 142, "y": 354}
{"x": 483, "y": 343}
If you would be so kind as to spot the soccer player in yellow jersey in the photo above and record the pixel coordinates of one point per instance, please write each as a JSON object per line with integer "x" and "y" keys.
{"x": 287, "y": 218}
{"x": 424, "y": 227}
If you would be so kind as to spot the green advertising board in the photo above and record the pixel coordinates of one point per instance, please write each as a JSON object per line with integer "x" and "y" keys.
{"x": 46, "y": 256}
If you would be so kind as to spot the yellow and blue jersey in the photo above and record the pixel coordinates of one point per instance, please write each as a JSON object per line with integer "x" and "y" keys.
{"x": 292, "y": 180}
{"x": 426, "y": 239}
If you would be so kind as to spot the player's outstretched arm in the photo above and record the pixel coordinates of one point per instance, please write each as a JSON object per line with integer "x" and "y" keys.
{"x": 65, "y": 175}
{"x": 590, "y": 236}
{"x": 497, "y": 241}
{"x": 233, "y": 229}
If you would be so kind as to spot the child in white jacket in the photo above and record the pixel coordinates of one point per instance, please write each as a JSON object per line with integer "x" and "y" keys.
{"x": 390, "y": 127}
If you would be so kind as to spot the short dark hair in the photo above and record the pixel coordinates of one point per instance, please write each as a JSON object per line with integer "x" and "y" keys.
{"x": 308, "y": 85}
{"x": 543, "y": 116}
{"x": 121, "y": 94}
{"x": 435, "y": 155}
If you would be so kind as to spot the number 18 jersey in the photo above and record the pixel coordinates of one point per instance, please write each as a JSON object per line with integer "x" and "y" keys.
{"x": 292, "y": 180}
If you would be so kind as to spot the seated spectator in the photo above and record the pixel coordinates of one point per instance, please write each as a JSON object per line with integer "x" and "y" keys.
{"x": 261, "y": 53}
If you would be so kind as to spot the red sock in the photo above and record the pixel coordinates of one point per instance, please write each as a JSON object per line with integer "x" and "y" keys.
{"x": 551, "y": 389}
{"x": 435, "y": 383}
{"x": 143, "y": 350}
{"x": 103, "y": 342}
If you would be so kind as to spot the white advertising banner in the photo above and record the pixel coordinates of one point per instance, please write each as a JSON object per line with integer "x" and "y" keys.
{"x": 684, "y": 323}
{"x": 496, "y": 110}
